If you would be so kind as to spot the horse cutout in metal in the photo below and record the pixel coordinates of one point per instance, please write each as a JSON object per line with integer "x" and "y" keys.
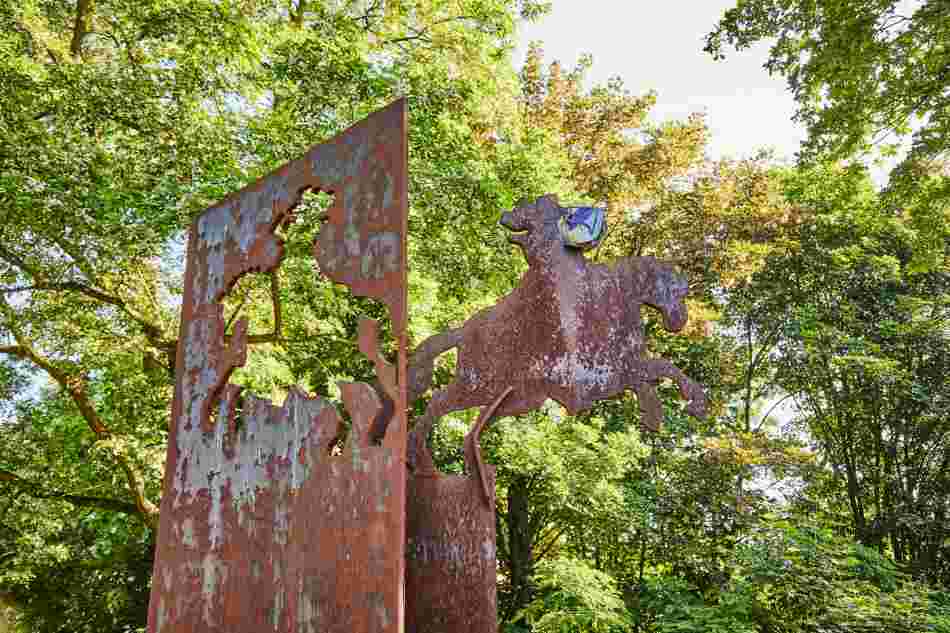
{"x": 570, "y": 331}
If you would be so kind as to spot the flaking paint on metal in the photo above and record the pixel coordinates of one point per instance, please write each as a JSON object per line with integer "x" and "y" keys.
{"x": 263, "y": 503}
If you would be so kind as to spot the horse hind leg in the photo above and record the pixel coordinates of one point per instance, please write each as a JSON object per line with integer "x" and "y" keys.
{"x": 473, "y": 452}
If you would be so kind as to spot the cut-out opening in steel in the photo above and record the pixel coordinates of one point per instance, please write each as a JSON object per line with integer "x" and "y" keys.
{"x": 296, "y": 318}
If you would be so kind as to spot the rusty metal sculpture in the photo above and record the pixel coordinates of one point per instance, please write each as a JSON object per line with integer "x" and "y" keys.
{"x": 571, "y": 331}
{"x": 262, "y": 527}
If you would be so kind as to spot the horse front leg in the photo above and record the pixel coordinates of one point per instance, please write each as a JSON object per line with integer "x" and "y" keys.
{"x": 443, "y": 401}
{"x": 656, "y": 369}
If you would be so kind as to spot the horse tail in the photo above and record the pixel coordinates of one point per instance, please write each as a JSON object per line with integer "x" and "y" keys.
{"x": 422, "y": 361}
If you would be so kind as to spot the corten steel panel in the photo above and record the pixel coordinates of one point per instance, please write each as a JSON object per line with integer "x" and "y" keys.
{"x": 451, "y": 565}
{"x": 450, "y": 555}
{"x": 261, "y": 528}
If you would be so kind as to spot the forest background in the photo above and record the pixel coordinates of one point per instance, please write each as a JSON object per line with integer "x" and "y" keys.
{"x": 815, "y": 497}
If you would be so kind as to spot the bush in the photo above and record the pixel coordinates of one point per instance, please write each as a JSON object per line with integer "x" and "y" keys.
{"x": 679, "y": 608}
{"x": 810, "y": 581}
{"x": 790, "y": 579}
{"x": 575, "y": 598}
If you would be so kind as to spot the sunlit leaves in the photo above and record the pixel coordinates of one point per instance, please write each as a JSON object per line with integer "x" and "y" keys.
{"x": 573, "y": 598}
{"x": 863, "y": 73}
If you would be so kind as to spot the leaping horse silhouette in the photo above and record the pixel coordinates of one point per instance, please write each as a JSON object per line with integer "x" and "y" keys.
{"x": 571, "y": 330}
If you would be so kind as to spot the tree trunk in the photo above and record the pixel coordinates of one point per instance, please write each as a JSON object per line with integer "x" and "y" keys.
{"x": 520, "y": 547}
{"x": 80, "y": 26}
{"x": 6, "y": 613}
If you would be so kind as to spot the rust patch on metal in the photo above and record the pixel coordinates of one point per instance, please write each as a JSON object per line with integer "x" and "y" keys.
{"x": 450, "y": 556}
{"x": 363, "y": 243}
{"x": 261, "y": 528}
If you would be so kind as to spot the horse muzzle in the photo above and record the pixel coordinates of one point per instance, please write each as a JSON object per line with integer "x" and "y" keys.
{"x": 675, "y": 320}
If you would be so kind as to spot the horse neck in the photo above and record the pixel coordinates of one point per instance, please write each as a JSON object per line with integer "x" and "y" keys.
{"x": 554, "y": 261}
{"x": 546, "y": 247}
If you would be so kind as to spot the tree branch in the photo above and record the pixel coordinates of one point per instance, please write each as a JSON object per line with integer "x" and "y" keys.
{"x": 75, "y": 386}
{"x": 152, "y": 332}
{"x": 771, "y": 409}
{"x": 422, "y": 34}
{"x": 368, "y": 14}
{"x": 37, "y": 492}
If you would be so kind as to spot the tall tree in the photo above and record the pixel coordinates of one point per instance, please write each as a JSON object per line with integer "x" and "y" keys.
{"x": 864, "y": 351}
{"x": 859, "y": 71}
{"x": 864, "y": 74}
{"x": 615, "y": 155}
{"x": 122, "y": 120}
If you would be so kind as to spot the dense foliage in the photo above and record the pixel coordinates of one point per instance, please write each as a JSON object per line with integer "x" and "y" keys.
{"x": 870, "y": 79}
{"x": 813, "y": 498}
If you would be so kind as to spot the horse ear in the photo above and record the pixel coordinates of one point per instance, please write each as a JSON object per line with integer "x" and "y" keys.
{"x": 550, "y": 201}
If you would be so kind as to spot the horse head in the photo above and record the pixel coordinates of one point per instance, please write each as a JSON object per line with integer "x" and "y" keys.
{"x": 664, "y": 289}
{"x": 533, "y": 227}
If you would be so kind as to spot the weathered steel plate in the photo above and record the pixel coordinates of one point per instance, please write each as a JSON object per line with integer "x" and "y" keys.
{"x": 451, "y": 565}
{"x": 262, "y": 529}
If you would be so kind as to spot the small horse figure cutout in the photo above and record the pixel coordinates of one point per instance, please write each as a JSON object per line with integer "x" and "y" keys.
{"x": 571, "y": 331}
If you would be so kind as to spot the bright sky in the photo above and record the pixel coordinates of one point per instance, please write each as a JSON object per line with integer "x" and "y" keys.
{"x": 659, "y": 46}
